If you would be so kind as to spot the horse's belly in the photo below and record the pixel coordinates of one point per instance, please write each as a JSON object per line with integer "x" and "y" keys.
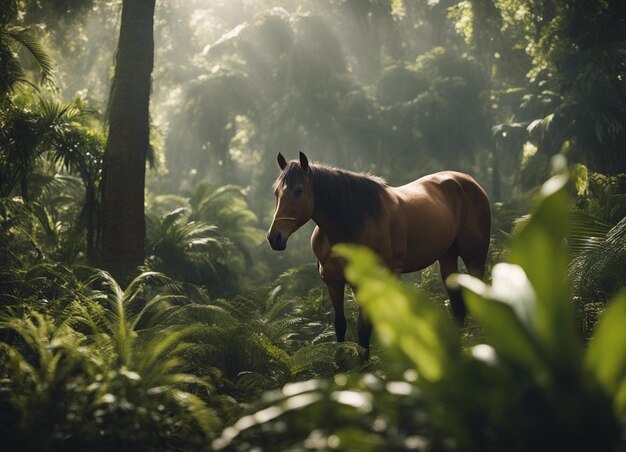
{"x": 427, "y": 235}
{"x": 416, "y": 260}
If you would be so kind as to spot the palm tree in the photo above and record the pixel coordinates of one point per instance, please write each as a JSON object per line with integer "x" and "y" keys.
{"x": 80, "y": 150}
{"x": 122, "y": 221}
{"x": 45, "y": 137}
{"x": 28, "y": 131}
{"x": 20, "y": 138}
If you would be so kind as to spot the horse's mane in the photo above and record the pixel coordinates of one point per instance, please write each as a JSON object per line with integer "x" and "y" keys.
{"x": 349, "y": 198}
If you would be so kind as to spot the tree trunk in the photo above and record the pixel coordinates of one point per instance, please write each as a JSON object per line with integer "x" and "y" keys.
{"x": 122, "y": 222}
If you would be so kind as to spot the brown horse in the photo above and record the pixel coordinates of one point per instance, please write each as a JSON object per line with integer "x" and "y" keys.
{"x": 439, "y": 217}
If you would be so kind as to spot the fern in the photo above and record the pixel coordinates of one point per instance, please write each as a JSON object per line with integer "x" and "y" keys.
{"x": 598, "y": 271}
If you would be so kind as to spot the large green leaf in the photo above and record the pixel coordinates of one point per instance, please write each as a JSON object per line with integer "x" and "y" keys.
{"x": 606, "y": 356}
{"x": 402, "y": 318}
{"x": 539, "y": 248}
{"x": 507, "y": 313}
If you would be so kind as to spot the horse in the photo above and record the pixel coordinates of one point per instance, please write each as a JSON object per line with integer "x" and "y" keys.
{"x": 437, "y": 218}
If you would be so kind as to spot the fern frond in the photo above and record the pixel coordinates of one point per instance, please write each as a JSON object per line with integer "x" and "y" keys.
{"x": 599, "y": 270}
{"x": 585, "y": 230}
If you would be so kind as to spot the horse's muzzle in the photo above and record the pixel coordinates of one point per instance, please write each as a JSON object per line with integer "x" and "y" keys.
{"x": 277, "y": 241}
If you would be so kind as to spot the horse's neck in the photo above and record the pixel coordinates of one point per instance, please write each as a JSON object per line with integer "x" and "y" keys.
{"x": 328, "y": 225}
{"x": 338, "y": 224}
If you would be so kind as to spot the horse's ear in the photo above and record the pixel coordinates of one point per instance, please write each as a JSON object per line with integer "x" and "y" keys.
{"x": 282, "y": 163}
{"x": 304, "y": 162}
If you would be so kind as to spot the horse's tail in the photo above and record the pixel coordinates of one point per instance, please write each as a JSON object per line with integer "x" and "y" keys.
{"x": 475, "y": 231}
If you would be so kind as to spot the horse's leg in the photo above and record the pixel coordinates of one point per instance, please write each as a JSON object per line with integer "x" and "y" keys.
{"x": 475, "y": 256}
{"x": 365, "y": 333}
{"x": 365, "y": 325}
{"x": 448, "y": 264}
{"x": 335, "y": 290}
{"x": 473, "y": 249}
{"x": 476, "y": 266}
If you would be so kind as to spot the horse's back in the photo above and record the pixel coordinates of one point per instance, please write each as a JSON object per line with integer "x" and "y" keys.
{"x": 442, "y": 193}
{"x": 462, "y": 193}
{"x": 439, "y": 181}
{"x": 474, "y": 227}
{"x": 450, "y": 188}
{"x": 440, "y": 211}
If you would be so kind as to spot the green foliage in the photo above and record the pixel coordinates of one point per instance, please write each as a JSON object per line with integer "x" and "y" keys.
{"x": 207, "y": 243}
{"x": 51, "y": 158}
{"x": 440, "y": 88}
{"x": 187, "y": 250}
{"x": 263, "y": 342}
{"x": 12, "y": 66}
{"x": 285, "y": 80}
{"x": 578, "y": 48}
{"x": 344, "y": 413}
{"x": 227, "y": 208}
{"x": 598, "y": 270}
{"x": 604, "y": 358}
{"x": 100, "y": 373}
{"x": 596, "y": 238}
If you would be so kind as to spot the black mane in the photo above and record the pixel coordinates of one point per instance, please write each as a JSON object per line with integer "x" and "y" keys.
{"x": 349, "y": 198}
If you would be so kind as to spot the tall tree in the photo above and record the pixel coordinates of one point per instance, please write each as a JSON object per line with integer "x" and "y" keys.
{"x": 122, "y": 222}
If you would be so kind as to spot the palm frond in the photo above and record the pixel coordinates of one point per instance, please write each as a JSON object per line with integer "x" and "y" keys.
{"x": 206, "y": 314}
{"x": 24, "y": 37}
{"x": 280, "y": 310}
{"x": 204, "y": 416}
{"x": 315, "y": 361}
{"x": 150, "y": 279}
{"x": 585, "y": 230}
{"x": 599, "y": 270}
{"x": 55, "y": 113}
{"x": 173, "y": 217}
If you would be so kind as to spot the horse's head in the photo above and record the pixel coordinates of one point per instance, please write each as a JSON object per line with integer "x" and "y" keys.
{"x": 294, "y": 200}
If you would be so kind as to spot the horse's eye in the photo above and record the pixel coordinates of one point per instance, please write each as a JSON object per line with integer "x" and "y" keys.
{"x": 298, "y": 192}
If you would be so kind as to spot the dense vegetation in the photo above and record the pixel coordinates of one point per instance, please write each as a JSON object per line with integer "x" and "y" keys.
{"x": 214, "y": 341}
